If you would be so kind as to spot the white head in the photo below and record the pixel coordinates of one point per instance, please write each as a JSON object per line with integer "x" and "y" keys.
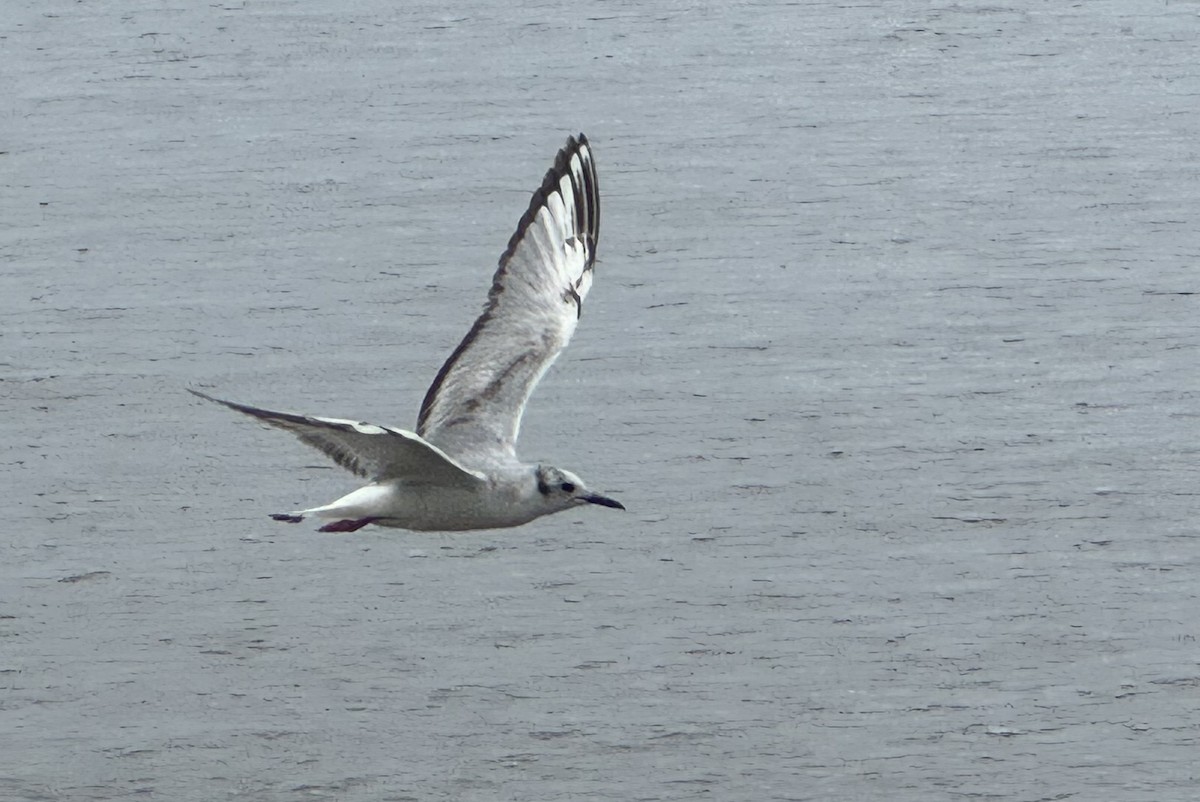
{"x": 563, "y": 490}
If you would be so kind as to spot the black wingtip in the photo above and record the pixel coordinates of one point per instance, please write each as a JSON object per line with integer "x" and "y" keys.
{"x": 269, "y": 416}
{"x": 236, "y": 407}
{"x": 587, "y": 196}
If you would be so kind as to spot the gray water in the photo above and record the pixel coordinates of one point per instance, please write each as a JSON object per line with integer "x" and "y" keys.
{"x": 891, "y": 355}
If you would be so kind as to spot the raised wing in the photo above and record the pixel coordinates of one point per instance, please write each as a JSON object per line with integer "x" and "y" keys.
{"x": 376, "y": 452}
{"x": 475, "y": 403}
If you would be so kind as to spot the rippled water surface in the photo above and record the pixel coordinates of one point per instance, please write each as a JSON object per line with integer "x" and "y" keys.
{"x": 891, "y": 355}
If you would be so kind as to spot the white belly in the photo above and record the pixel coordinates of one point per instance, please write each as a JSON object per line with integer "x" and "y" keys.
{"x": 433, "y": 508}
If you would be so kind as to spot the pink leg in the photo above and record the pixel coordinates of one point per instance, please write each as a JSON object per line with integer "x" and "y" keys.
{"x": 346, "y": 525}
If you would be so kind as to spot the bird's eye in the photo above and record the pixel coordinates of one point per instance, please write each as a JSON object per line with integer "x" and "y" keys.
{"x": 567, "y": 487}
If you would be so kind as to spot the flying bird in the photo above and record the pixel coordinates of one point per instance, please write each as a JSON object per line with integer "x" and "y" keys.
{"x": 459, "y": 470}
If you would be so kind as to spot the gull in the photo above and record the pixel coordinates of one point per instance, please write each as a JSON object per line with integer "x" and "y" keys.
{"x": 459, "y": 470}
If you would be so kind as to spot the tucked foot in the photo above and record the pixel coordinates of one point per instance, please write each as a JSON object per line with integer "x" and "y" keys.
{"x": 347, "y": 525}
{"x": 291, "y": 519}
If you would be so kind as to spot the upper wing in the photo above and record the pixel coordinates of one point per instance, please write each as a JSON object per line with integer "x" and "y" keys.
{"x": 376, "y": 452}
{"x": 476, "y": 401}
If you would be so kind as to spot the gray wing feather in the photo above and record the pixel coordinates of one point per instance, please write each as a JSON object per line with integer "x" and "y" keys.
{"x": 536, "y": 298}
{"x": 375, "y": 452}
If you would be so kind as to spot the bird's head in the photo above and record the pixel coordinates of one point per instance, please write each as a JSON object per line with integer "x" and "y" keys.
{"x": 563, "y": 490}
